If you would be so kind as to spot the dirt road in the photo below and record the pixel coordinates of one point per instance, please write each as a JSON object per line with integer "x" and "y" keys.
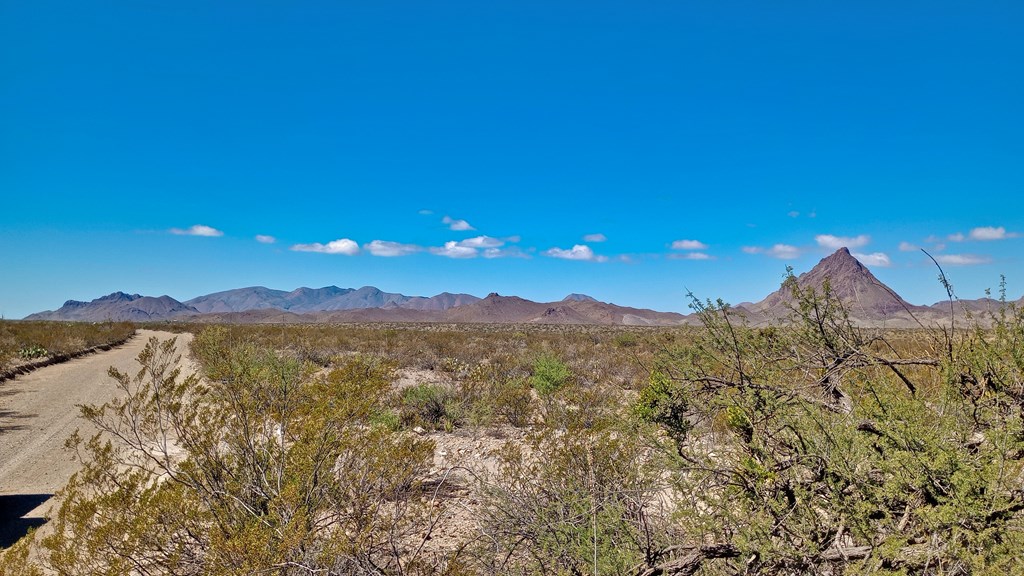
{"x": 38, "y": 412}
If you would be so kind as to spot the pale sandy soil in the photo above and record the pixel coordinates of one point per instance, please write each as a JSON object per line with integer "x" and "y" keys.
{"x": 38, "y": 412}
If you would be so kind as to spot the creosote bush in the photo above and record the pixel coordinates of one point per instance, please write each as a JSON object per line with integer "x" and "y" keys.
{"x": 271, "y": 466}
{"x": 809, "y": 448}
{"x": 549, "y": 374}
{"x": 430, "y": 406}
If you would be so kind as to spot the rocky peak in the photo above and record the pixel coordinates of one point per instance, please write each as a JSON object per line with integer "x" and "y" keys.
{"x": 118, "y": 297}
{"x": 849, "y": 280}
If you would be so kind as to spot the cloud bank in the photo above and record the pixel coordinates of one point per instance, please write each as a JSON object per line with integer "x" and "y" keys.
{"x": 578, "y": 252}
{"x": 340, "y": 246}
{"x": 780, "y": 251}
{"x": 836, "y": 242}
{"x": 962, "y": 259}
{"x": 880, "y": 259}
{"x": 388, "y": 249}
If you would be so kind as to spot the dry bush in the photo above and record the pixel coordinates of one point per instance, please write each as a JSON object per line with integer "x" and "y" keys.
{"x": 27, "y": 340}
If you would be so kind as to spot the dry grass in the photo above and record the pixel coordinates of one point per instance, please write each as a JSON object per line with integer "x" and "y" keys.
{"x": 24, "y": 341}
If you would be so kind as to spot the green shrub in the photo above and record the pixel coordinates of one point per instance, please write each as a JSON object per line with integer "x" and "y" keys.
{"x": 278, "y": 472}
{"x": 550, "y": 374}
{"x": 387, "y": 419}
{"x": 430, "y": 405}
{"x": 663, "y": 402}
{"x": 32, "y": 352}
{"x": 513, "y": 402}
{"x": 626, "y": 340}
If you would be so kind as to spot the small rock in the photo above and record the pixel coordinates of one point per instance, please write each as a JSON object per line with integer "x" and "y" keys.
{"x": 419, "y": 430}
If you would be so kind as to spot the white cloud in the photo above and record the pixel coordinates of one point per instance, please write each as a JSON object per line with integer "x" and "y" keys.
{"x": 780, "y": 251}
{"x": 691, "y": 256}
{"x": 793, "y": 214}
{"x": 689, "y": 245}
{"x": 482, "y": 242}
{"x": 837, "y": 242}
{"x": 962, "y": 259}
{"x": 595, "y": 238}
{"x": 880, "y": 259}
{"x": 425, "y": 212}
{"x": 907, "y": 247}
{"x": 577, "y": 252}
{"x": 197, "y": 230}
{"x": 991, "y": 233}
{"x": 457, "y": 225}
{"x": 784, "y": 252}
{"x": 511, "y": 252}
{"x": 453, "y": 250}
{"x": 264, "y": 239}
{"x": 513, "y": 239}
{"x": 340, "y": 246}
{"x": 389, "y": 249}
{"x": 958, "y": 237}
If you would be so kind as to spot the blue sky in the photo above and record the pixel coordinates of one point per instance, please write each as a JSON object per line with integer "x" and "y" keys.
{"x": 628, "y": 150}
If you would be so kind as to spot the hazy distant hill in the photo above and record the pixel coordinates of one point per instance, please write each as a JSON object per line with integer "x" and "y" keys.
{"x": 328, "y": 298}
{"x": 120, "y": 307}
{"x": 579, "y": 298}
{"x": 442, "y": 301}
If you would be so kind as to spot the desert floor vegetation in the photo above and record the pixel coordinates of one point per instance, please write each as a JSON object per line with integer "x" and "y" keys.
{"x": 817, "y": 447}
{"x": 23, "y": 341}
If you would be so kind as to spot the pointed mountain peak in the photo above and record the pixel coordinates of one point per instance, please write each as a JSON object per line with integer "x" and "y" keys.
{"x": 840, "y": 264}
{"x": 848, "y": 280}
{"x": 579, "y": 298}
{"x": 847, "y": 277}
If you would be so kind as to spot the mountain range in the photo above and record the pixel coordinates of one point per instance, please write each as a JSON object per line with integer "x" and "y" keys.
{"x": 871, "y": 303}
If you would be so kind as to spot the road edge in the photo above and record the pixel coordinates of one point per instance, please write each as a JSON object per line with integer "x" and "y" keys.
{"x": 12, "y": 373}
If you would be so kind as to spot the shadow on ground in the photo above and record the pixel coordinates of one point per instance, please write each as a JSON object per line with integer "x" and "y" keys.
{"x": 9, "y": 420}
{"x": 13, "y": 508}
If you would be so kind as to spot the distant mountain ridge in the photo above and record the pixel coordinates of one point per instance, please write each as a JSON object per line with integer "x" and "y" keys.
{"x": 871, "y": 303}
{"x": 134, "y": 307}
{"x": 328, "y": 298}
{"x": 120, "y": 307}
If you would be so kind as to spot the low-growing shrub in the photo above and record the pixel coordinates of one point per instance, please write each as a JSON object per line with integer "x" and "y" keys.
{"x": 32, "y": 352}
{"x": 431, "y": 406}
{"x": 22, "y": 340}
{"x": 549, "y": 374}
{"x": 513, "y": 401}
